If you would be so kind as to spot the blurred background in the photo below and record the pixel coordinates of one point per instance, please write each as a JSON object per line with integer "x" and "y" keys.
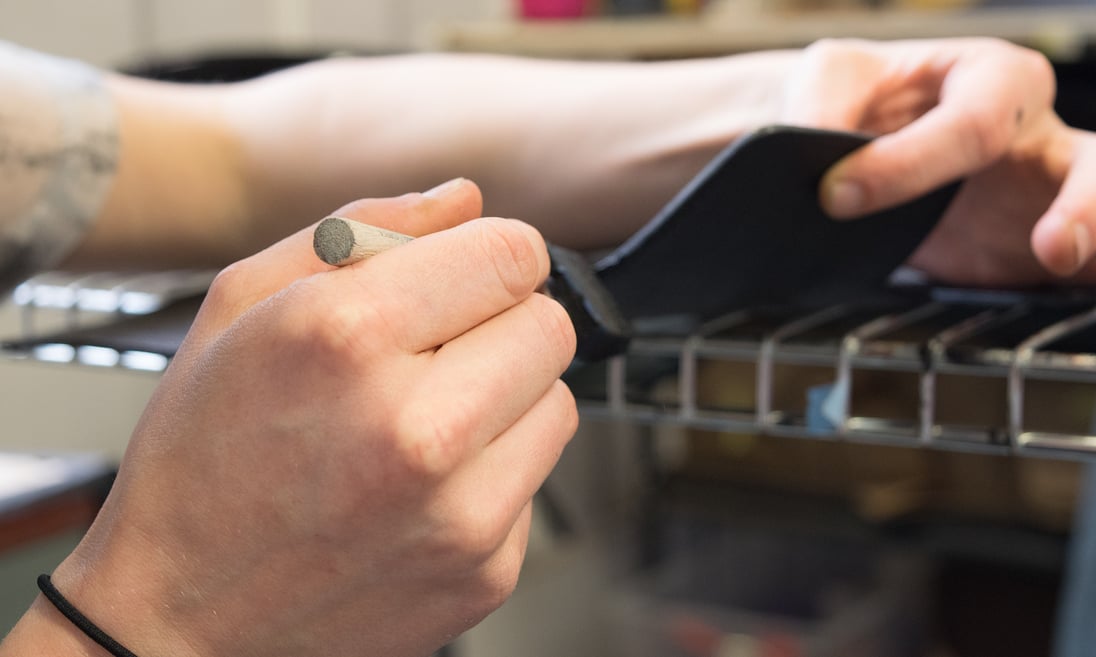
{"x": 658, "y": 534}
{"x": 121, "y": 33}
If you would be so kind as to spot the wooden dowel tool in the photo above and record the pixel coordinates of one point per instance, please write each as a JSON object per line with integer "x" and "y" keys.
{"x": 340, "y": 241}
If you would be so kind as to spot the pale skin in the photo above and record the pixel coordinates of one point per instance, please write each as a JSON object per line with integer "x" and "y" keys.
{"x": 587, "y": 152}
{"x": 296, "y": 144}
{"x": 977, "y": 109}
{"x": 399, "y": 466}
{"x": 388, "y": 472}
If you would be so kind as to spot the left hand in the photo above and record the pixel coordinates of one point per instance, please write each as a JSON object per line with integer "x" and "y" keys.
{"x": 339, "y": 461}
{"x": 974, "y": 109}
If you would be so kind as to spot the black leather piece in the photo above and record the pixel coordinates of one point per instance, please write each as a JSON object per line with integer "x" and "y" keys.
{"x": 748, "y": 231}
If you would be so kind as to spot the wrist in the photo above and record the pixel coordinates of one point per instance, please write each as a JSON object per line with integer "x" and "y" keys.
{"x": 45, "y": 631}
{"x": 123, "y": 585}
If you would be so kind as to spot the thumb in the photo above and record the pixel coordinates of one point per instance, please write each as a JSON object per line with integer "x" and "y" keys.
{"x": 444, "y": 206}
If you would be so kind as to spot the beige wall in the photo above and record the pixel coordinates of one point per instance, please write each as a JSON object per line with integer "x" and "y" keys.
{"x": 119, "y": 32}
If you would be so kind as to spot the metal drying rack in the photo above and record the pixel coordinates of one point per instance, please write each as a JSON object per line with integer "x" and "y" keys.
{"x": 941, "y": 343}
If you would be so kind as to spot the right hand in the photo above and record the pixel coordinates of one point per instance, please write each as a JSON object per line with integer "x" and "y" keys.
{"x": 981, "y": 110}
{"x": 340, "y": 461}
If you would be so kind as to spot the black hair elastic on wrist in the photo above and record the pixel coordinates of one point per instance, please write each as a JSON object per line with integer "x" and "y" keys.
{"x": 79, "y": 620}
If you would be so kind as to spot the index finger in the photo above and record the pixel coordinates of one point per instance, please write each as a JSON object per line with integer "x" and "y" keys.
{"x": 437, "y": 287}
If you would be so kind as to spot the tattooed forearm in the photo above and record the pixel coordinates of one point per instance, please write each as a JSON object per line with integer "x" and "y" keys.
{"x": 58, "y": 155}
{"x": 96, "y": 153}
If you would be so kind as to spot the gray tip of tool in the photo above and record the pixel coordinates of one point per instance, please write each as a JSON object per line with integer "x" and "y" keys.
{"x": 333, "y": 240}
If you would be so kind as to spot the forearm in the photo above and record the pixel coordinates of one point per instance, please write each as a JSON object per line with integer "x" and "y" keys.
{"x": 587, "y": 152}
{"x": 584, "y": 151}
{"x": 178, "y": 196}
{"x": 629, "y": 140}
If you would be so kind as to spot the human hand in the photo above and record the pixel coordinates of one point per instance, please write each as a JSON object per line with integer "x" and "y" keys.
{"x": 977, "y": 109}
{"x": 340, "y": 461}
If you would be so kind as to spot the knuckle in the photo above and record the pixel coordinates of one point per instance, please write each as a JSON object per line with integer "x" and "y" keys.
{"x": 429, "y": 441}
{"x": 497, "y": 583}
{"x": 469, "y": 534}
{"x": 477, "y": 529}
{"x": 987, "y": 133}
{"x": 495, "y": 572}
{"x": 1033, "y": 66}
{"x": 513, "y": 253}
{"x": 824, "y": 48}
{"x": 1039, "y": 62}
{"x": 1041, "y": 70}
{"x": 230, "y": 284}
{"x": 568, "y": 416}
{"x": 408, "y": 203}
{"x": 833, "y": 50}
{"x": 339, "y": 335}
{"x": 555, "y": 324}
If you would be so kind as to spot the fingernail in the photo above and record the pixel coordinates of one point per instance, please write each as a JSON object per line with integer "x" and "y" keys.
{"x": 843, "y": 199}
{"x": 1082, "y": 243}
{"x": 444, "y": 188}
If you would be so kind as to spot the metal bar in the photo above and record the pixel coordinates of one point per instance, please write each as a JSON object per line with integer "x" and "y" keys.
{"x": 980, "y": 343}
{"x": 687, "y": 373}
{"x": 1022, "y": 360}
{"x": 937, "y": 362}
{"x": 764, "y": 377}
{"x": 851, "y": 344}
